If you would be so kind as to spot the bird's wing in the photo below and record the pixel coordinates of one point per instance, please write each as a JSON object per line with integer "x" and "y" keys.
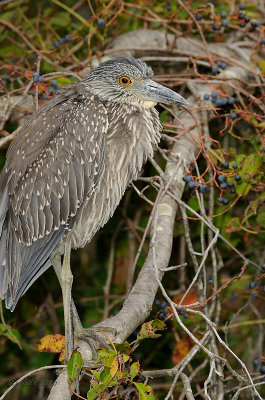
{"x": 52, "y": 167}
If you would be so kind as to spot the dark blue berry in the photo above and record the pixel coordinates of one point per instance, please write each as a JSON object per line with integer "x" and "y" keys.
{"x": 241, "y": 15}
{"x": 223, "y": 14}
{"x": 214, "y": 95}
{"x": 262, "y": 369}
{"x": 252, "y": 285}
{"x": 232, "y": 115}
{"x": 231, "y": 100}
{"x": 250, "y": 76}
{"x": 238, "y": 178}
{"x": 216, "y": 27}
{"x": 221, "y": 178}
{"x": 219, "y": 63}
{"x": 181, "y": 312}
{"x": 263, "y": 288}
{"x": 62, "y": 40}
{"x": 215, "y": 70}
{"x": 36, "y": 78}
{"x": 185, "y": 316}
{"x": 220, "y": 200}
{"x": 157, "y": 302}
{"x": 262, "y": 41}
{"x": 235, "y": 166}
{"x": 56, "y": 44}
{"x": 230, "y": 184}
{"x": 203, "y": 188}
{"x": 234, "y": 296}
{"x": 45, "y": 96}
{"x": 233, "y": 191}
{"x": 165, "y": 312}
{"x": 169, "y": 8}
{"x": 188, "y": 178}
{"x": 254, "y": 24}
{"x": 247, "y": 19}
{"x": 198, "y": 17}
{"x": 68, "y": 38}
{"x": 100, "y": 22}
{"x": 210, "y": 282}
{"x": 54, "y": 83}
{"x": 254, "y": 296}
{"x": 86, "y": 40}
{"x": 242, "y": 7}
{"x": 161, "y": 315}
{"x": 225, "y": 23}
{"x": 256, "y": 362}
{"x": 224, "y": 101}
{"x": 41, "y": 79}
{"x": 50, "y": 90}
{"x": 163, "y": 304}
{"x": 206, "y": 96}
{"x": 225, "y": 165}
{"x": 218, "y": 103}
{"x": 223, "y": 185}
{"x": 242, "y": 24}
{"x": 225, "y": 201}
{"x": 6, "y": 78}
{"x": 262, "y": 267}
{"x": 191, "y": 185}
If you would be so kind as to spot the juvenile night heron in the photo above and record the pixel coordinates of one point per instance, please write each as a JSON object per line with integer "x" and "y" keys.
{"x": 69, "y": 166}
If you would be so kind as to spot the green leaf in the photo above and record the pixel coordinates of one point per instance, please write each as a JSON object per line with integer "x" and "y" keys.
{"x": 105, "y": 376}
{"x": 261, "y": 219}
{"x": 148, "y": 329}
{"x": 256, "y": 203}
{"x": 12, "y": 334}
{"x": 74, "y": 365}
{"x": 94, "y": 392}
{"x": 103, "y": 353}
{"x": 96, "y": 374}
{"x": 262, "y": 66}
{"x": 243, "y": 188}
{"x": 134, "y": 370}
{"x": 123, "y": 348}
{"x": 250, "y": 167}
{"x": 64, "y": 81}
{"x": 62, "y": 19}
{"x": 145, "y": 391}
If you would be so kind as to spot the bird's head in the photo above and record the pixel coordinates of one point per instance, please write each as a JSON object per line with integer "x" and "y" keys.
{"x": 129, "y": 80}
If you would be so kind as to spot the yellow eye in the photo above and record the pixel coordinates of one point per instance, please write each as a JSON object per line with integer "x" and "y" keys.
{"x": 124, "y": 80}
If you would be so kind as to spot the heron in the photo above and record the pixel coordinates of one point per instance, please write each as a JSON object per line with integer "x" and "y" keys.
{"x": 68, "y": 168}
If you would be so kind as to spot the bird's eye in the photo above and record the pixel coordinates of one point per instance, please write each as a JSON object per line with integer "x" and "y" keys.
{"x": 124, "y": 80}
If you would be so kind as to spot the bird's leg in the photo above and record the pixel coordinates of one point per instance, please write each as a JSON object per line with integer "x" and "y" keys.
{"x": 89, "y": 335}
{"x": 65, "y": 277}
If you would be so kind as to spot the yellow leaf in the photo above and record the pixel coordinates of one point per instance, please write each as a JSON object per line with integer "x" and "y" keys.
{"x": 52, "y": 343}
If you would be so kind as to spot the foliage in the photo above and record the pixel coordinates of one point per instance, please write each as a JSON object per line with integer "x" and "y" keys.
{"x": 49, "y": 44}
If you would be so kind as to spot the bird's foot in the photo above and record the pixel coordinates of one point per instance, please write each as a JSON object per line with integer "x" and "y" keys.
{"x": 92, "y": 336}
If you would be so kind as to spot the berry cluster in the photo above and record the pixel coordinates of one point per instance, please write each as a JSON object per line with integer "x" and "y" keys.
{"x": 221, "y": 102}
{"x": 164, "y": 311}
{"x": 63, "y": 40}
{"x": 240, "y": 16}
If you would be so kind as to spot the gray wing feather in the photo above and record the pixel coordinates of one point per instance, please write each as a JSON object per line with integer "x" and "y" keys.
{"x": 52, "y": 167}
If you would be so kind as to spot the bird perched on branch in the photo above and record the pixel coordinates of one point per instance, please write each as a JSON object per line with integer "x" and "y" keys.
{"x": 68, "y": 168}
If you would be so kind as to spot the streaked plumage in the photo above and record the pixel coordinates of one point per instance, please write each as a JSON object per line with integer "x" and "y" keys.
{"x": 69, "y": 167}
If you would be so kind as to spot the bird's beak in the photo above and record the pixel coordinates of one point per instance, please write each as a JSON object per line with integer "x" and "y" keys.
{"x": 153, "y": 91}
